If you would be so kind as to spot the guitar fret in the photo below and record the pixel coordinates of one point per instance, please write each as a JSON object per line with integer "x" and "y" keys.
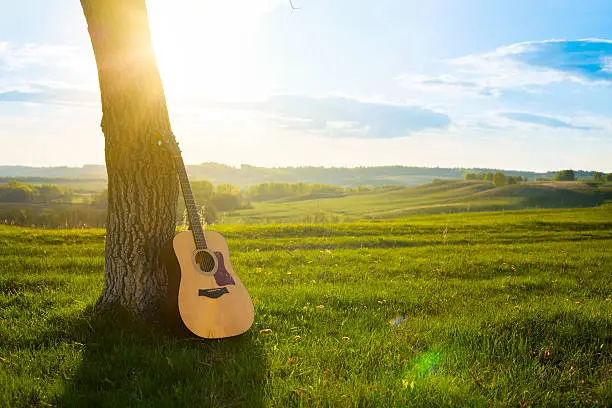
{"x": 192, "y": 212}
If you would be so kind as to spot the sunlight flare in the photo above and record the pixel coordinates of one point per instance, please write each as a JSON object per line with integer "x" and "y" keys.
{"x": 210, "y": 50}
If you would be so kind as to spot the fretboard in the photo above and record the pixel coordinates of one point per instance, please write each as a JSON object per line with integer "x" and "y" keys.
{"x": 192, "y": 211}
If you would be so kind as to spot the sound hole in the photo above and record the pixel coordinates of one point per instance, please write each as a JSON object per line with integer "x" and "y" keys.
{"x": 206, "y": 261}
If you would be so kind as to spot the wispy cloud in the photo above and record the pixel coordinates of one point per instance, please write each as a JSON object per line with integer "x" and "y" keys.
{"x": 339, "y": 117}
{"x": 45, "y": 74}
{"x": 14, "y": 56}
{"x": 546, "y": 121}
{"x": 48, "y": 94}
{"x": 525, "y": 65}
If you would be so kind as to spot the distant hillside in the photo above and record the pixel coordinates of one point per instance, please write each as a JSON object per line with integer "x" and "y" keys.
{"x": 247, "y": 175}
{"x": 89, "y": 171}
{"x": 432, "y": 198}
{"x": 24, "y": 204}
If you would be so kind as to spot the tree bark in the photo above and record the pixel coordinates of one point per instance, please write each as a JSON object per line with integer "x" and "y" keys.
{"x": 142, "y": 183}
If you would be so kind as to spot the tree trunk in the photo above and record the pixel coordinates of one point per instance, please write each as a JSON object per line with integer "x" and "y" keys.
{"x": 142, "y": 183}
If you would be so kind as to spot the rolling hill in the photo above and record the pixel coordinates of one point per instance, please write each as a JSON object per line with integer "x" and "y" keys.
{"x": 433, "y": 198}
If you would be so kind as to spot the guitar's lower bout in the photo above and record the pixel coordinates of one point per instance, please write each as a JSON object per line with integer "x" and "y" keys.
{"x": 208, "y": 308}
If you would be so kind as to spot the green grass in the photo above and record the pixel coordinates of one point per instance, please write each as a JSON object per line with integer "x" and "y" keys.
{"x": 439, "y": 197}
{"x": 499, "y": 309}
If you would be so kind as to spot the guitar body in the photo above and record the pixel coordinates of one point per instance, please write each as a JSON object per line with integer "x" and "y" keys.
{"x": 213, "y": 304}
{"x": 212, "y": 301}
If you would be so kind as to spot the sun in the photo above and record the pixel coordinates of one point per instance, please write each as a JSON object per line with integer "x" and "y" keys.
{"x": 210, "y": 50}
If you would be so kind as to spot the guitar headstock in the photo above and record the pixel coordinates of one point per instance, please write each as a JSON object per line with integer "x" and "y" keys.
{"x": 169, "y": 141}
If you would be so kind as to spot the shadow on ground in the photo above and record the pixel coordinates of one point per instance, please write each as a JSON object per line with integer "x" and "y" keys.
{"x": 126, "y": 363}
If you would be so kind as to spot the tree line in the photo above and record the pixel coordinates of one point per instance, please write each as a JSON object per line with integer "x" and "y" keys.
{"x": 571, "y": 175}
{"x": 278, "y": 190}
{"x": 17, "y": 192}
{"x": 499, "y": 179}
{"x": 53, "y": 206}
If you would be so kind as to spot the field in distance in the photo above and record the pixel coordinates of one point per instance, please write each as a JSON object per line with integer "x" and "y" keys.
{"x": 483, "y": 309}
{"x": 444, "y": 196}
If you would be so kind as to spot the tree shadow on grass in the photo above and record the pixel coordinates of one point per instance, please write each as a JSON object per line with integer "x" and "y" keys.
{"x": 128, "y": 363}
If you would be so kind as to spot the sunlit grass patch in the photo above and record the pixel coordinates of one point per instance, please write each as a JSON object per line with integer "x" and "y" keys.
{"x": 511, "y": 309}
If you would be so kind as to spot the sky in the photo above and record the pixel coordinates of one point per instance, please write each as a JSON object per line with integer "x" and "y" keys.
{"x": 517, "y": 84}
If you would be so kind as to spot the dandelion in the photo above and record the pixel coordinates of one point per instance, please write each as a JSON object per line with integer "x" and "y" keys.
{"x": 320, "y": 307}
{"x": 297, "y": 338}
{"x": 345, "y": 338}
{"x": 265, "y": 331}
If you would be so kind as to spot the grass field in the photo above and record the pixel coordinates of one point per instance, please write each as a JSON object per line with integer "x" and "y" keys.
{"x": 493, "y": 309}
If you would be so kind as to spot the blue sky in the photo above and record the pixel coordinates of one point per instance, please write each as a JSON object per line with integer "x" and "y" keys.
{"x": 472, "y": 83}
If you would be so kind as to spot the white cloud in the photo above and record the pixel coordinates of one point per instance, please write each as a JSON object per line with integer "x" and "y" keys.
{"x": 46, "y": 73}
{"x": 345, "y": 117}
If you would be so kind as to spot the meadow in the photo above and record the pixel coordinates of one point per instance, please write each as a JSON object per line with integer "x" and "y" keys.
{"x": 509, "y": 308}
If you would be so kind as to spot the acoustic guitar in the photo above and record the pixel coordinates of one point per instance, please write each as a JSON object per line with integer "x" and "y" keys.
{"x": 212, "y": 301}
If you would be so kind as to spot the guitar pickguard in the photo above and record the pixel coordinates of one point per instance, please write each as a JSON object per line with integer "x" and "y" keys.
{"x": 222, "y": 276}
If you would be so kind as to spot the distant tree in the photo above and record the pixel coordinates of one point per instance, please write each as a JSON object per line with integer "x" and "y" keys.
{"x": 226, "y": 189}
{"x": 470, "y": 176}
{"x": 67, "y": 196}
{"x": 565, "y": 175}
{"x": 208, "y": 213}
{"x": 100, "y": 199}
{"x": 202, "y": 191}
{"x": 499, "y": 179}
{"x": 48, "y": 193}
{"x": 608, "y": 177}
{"x": 16, "y": 192}
{"x": 225, "y": 201}
{"x": 598, "y": 176}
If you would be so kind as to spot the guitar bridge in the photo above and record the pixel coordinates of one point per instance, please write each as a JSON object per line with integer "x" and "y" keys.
{"x": 213, "y": 293}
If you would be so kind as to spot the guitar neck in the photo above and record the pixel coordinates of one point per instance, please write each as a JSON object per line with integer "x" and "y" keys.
{"x": 192, "y": 211}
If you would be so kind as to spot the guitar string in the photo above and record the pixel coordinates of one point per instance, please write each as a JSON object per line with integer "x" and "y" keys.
{"x": 207, "y": 261}
{"x": 192, "y": 212}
